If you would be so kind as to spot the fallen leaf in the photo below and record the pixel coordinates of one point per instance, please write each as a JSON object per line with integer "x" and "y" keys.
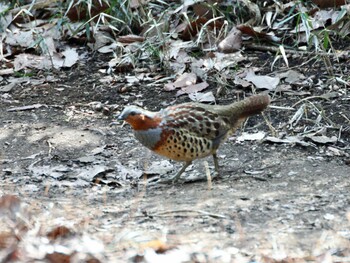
{"x": 192, "y": 88}
{"x": 19, "y": 38}
{"x": 329, "y": 3}
{"x": 161, "y": 167}
{"x": 232, "y": 43}
{"x": 291, "y": 76}
{"x": 241, "y": 82}
{"x": 248, "y": 30}
{"x": 322, "y": 139}
{"x": 220, "y": 61}
{"x": 202, "y": 97}
{"x": 183, "y": 80}
{"x": 59, "y": 232}
{"x": 288, "y": 139}
{"x": 9, "y": 203}
{"x": 335, "y": 152}
{"x": 70, "y": 57}
{"x": 245, "y": 136}
{"x": 23, "y": 61}
{"x": 262, "y": 82}
{"x": 6, "y": 71}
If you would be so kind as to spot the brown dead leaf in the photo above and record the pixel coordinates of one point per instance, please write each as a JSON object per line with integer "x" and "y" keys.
{"x": 128, "y": 39}
{"x": 232, "y": 43}
{"x": 203, "y": 10}
{"x": 329, "y": 3}
{"x": 191, "y": 30}
{"x": 12, "y": 255}
{"x": 250, "y": 31}
{"x": 188, "y": 31}
{"x": 9, "y": 203}
{"x": 8, "y": 239}
{"x": 59, "y": 232}
{"x": 56, "y": 257}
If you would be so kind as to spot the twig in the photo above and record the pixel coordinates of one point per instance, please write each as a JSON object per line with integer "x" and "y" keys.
{"x": 281, "y": 107}
{"x": 27, "y": 107}
{"x": 292, "y": 51}
{"x": 268, "y": 123}
{"x": 308, "y": 98}
{"x": 189, "y": 211}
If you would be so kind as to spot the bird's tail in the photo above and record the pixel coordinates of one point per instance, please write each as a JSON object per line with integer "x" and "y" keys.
{"x": 251, "y": 106}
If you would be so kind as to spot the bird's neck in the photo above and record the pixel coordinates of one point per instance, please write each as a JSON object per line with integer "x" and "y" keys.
{"x": 142, "y": 122}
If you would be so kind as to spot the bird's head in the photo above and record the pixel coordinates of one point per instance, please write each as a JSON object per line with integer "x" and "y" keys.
{"x": 138, "y": 118}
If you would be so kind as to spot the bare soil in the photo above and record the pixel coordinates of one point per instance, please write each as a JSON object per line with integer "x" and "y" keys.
{"x": 70, "y": 165}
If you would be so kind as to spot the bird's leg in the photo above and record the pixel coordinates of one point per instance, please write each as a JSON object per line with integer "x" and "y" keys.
{"x": 177, "y": 176}
{"x": 216, "y": 164}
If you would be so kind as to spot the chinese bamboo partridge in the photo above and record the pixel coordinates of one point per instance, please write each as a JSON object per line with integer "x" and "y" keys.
{"x": 189, "y": 131}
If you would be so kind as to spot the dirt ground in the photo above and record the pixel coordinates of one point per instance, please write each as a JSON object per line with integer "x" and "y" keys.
{"x": 69, "y": 165}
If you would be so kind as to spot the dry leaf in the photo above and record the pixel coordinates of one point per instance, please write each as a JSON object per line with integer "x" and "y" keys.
{"x": 59, "y": 232}
{"x": 70, "y": 57}
{"x": 291, "y": 76}
{"x": 202, "y": 97}
{"x": 192, "y": 88}
{"x": 9, "y": 203}
{"x": 183, "y": 80}
{"x": 232, "y": 43}
{"x": 322, "y": 139}
{"x": 262, "y": 82}
{"x": 260, "y": 35}
{"x": 245, "y": 136}
{"x": 329, "y": 3}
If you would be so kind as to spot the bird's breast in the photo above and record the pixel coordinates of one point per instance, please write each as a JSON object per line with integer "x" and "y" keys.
{"x": 150, "y": 137}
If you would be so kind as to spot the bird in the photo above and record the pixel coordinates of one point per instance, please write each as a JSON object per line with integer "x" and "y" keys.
{"x": 189, "y": 131}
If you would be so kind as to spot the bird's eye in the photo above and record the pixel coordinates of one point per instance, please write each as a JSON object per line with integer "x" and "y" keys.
{"x": 132, "y": 113}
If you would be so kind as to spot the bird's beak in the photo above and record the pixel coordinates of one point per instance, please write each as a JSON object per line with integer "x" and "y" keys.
{"x": 114, "y": 123}
{"x": 117, "y": 122}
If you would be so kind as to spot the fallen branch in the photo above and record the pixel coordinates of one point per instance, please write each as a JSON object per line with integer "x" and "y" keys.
{"x": 189, "y": 211}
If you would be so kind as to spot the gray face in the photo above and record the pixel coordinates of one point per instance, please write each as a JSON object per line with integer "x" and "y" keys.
{"x": 130, "y": 111}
